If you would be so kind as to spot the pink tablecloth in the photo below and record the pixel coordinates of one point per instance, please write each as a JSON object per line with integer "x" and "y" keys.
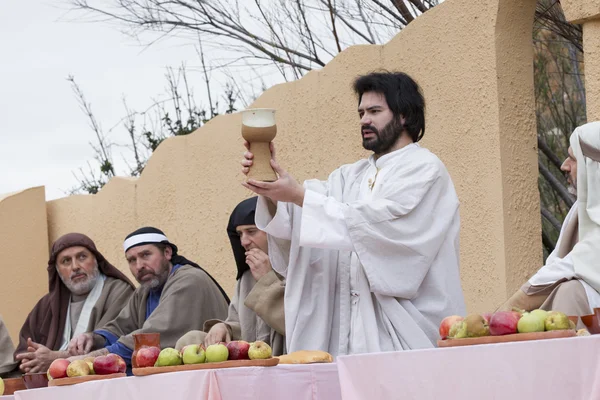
{"x": 544, "y": 369}
{"x": 302, "y": 382}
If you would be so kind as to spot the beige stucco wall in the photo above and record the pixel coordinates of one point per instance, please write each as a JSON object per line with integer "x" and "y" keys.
{"x": 23, "y": 249}
{"x": 588, "y": 13}
{"x": 474, "y": 63}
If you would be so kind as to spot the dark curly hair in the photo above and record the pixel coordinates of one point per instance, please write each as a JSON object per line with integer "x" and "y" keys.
{"x": 403, "y": 96}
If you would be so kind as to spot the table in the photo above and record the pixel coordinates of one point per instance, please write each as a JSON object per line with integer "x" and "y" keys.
{"x": 544, "y": 369}
{"x": 11, "y": 397}
{"x": 302, "y": 382}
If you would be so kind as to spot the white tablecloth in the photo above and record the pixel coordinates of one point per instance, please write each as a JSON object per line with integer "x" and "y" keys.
{"x": 535, "y": 370}
{"x": 302, "y": 382}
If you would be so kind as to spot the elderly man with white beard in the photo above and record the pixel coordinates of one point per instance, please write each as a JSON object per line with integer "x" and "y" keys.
{"x": 570, "y": 280}
{"x": 86, "y": 292}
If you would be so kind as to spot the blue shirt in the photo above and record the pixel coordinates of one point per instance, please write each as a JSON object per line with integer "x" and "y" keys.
{"x": 112, "y": 343}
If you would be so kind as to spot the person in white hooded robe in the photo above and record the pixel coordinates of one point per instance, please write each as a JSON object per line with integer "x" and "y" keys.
{"x": 371, "y": 255}
{"x": 570, "y": 280}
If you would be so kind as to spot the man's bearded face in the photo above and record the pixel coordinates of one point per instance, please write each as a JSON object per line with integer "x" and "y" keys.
{"x": 569, "y": 167}
{"x": 77, "y": 267}
{"x": 379, "y": 128}
{"x": 150, "y": 265}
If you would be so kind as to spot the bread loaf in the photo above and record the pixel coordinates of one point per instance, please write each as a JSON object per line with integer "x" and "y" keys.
{"x": 306, "y": 357}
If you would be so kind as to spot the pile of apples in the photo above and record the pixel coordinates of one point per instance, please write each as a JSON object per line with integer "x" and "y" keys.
{"x": 503, "y": 323}
{"x": 102, "y": 365}
{"x": 198, "y": 354}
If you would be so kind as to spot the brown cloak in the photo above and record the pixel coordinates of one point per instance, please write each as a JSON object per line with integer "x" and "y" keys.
{"x": 46, "y": 322}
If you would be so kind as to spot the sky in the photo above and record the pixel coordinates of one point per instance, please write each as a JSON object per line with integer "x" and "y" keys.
{"x": 44, "y": 136}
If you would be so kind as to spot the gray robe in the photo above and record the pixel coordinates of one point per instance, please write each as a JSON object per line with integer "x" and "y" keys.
{"x": 255, "y": 313}
{"x": 189, "y": 298}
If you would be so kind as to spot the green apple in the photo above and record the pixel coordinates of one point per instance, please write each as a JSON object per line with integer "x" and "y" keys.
{"x": 556, "y": 321}
{"x": 531, "y": 323}
{"x": 193, "y": 354}
{"x": 1, "y": 387}
{"x": 168, "y": 357}
{"x": 540, "y": 313}
{"x": 458, "y": 330}
{"x": 217, "y": 352}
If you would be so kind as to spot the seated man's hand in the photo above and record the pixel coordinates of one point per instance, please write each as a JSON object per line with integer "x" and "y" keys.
{"x": 258, "y": 261}
{"x": 37, "y": 359}
{"x": 218, "y": 333}
{"x": 81, "y": 344}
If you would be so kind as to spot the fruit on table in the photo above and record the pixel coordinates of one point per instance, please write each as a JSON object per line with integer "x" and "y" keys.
{"x": 90, "y": 362}
{"x": 458, "y": 330}
{"x": 557, "y": 320}
{"x": 540, "y": 313}
{"x": 147, "y": 356}
{"x": 238, "y": 350}
{"x": 476, "y": 326}
{"x": 1, "y": 387}
{"x": 487, "y": 316}
{"x": 259, "y": 350}
{"x": 504, "y": 323}
{"x": 193, "y": 354}
{"x": 109, "y": 364}
{"x": 531, "y": 323}
{"x": 78, "y": 368}
{"x": 58, "y": 368}
{"x": 168, "y": 357}
{"x": 447, "y": 323}
{"x": 216, "y": 353}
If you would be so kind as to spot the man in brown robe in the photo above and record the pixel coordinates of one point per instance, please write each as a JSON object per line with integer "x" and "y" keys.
{"x": 175, "y": 296}
{"x": 7, "y": 362}
{"x": 86, "y": 292}
{"x": 570, "y": 280}
{"x": 256, "y": 311}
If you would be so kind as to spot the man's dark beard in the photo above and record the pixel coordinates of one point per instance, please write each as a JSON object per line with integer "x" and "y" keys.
{"x": 384, "y": 139}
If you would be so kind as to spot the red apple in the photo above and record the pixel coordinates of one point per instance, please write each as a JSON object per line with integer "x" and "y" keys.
{"x": 447, "y": 324}
{"x": 109, "y": 364}
{"x": 122, "y": 364}
{"x": 504, "y": 323}
{"x": 238, "y": 350}
{"x": 147, "y": 356}
{"x": 58, "y": 368}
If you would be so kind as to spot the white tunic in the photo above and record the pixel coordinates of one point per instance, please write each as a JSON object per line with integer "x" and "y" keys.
{"x": 371, "y": 259}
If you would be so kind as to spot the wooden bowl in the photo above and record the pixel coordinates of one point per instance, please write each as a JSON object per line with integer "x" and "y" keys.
{"x": 591, "y": 323}
{"x": 35, "y": 381}
{"x": 11, "y": 385}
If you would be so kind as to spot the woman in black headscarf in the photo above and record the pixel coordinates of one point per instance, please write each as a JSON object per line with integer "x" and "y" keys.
{"x": 256, "y": 310}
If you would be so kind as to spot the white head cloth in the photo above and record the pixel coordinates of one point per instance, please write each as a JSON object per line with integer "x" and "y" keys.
{"x": 585, "y": 143}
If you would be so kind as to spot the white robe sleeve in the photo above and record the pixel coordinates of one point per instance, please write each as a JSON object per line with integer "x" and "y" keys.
{"x": 324, "y": 223}
{"x": 278, "y": 225}
{"x": 396, "y": 235}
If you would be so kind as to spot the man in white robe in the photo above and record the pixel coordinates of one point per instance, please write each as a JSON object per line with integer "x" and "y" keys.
{"x": 371, "y": 255}
{"x": 570, "y": 280}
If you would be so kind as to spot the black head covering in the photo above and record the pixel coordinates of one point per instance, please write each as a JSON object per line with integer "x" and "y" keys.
{"x": 175, "y": 258}
{"x": 243, "y": 214}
